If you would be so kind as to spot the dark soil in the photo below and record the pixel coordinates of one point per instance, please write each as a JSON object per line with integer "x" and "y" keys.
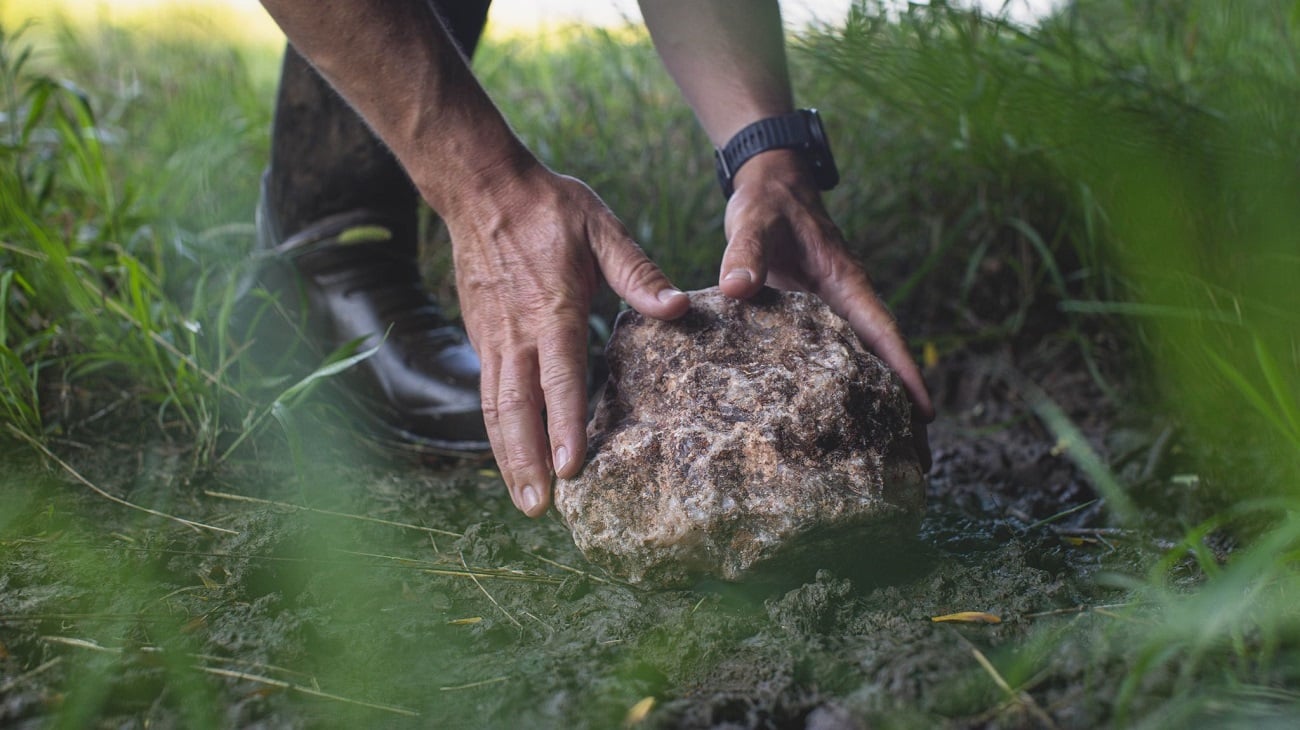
{"x": 349, "y": 608}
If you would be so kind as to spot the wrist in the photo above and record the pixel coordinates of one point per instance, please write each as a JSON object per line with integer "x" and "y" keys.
{"x": 784, "y": 167}
{"x": 458, "y": 182}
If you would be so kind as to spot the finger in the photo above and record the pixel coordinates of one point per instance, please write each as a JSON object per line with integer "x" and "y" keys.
{"x": 744, "y": 264}
{"x": 876, "y": 327}
{"x": 523, "y": 438}
{"x": 634, "y": 277}
{"x": 490, "y": 374}
{"x": 850, "y": 295}
{"x": 563, "y": 360}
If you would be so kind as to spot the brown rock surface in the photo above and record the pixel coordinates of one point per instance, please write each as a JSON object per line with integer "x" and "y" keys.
{"x": 742, "y": 433}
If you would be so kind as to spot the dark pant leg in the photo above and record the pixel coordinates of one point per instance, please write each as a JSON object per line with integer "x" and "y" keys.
{"x": 324, "y": 159}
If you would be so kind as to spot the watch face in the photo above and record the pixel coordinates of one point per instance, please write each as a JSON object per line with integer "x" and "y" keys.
{"x": 828, "y": 176}
{"x": 815, "y": 128}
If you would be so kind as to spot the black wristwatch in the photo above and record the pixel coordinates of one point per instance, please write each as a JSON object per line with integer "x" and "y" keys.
{"x": 799, "y": 130}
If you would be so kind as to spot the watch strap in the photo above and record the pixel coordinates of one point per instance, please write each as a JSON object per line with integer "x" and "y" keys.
{"x": 788, "y": 131}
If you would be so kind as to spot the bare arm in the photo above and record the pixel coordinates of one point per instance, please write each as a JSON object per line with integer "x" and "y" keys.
{"x": 528, "y": 243}
{"x": 397, "y": 66}
{"x": 728, "y": 58}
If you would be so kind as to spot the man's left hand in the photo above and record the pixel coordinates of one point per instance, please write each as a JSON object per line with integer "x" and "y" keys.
{"x": 779, "y": 234}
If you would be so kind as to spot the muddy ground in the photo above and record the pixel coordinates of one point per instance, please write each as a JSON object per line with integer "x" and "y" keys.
{"x": 112, "y": 618}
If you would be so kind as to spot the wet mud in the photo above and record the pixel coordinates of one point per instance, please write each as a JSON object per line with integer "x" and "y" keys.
{"x": 444, "y": 607}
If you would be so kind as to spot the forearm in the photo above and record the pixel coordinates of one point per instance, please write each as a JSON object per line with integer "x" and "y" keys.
{"x": 727, "y": 56}
{"x": 395, "y": 63}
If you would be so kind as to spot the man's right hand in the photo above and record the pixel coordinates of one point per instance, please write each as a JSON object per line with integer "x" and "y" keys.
{"x": 526, "y": 259}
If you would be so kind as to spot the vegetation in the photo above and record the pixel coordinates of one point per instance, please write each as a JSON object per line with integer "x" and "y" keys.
{"x": 1115, "y": 187}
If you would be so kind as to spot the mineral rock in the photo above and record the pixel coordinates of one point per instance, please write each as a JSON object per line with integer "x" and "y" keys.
{"x": 743, "y": 433}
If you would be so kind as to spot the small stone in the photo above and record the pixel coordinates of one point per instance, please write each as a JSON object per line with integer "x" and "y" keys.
{"x": 744, "y": 433}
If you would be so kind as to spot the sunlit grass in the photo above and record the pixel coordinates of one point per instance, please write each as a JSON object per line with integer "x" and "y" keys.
{"x": 243, "y": 23}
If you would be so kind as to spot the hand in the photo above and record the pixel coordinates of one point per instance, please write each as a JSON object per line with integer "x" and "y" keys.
{"x": 778, "y": 232}
{"x": 526, "y": 262}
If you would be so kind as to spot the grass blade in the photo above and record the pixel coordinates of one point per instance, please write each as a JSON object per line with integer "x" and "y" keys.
{"x": 1284, "y": 395}
{"x": 1250, "y": 393}
{"x": 196, "y": 526}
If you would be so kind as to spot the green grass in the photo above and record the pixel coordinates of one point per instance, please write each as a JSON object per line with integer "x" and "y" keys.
{"x": 1123, "y": 178}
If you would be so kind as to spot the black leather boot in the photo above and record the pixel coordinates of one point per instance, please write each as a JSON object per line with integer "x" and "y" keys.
{"x": 359, "y": 280}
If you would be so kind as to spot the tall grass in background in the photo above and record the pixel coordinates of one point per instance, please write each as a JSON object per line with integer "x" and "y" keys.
{"x": 1137, "y": 158}
{"x": 1131, "y": 158}
{"x": 1127, "y": 157}
{"x": 121, "y": 229}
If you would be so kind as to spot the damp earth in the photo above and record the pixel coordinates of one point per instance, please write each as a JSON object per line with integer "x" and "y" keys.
{"x": 412, "y": 594}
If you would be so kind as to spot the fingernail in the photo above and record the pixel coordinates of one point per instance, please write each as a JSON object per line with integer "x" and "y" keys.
{"x": 666, "y": 295}
{"x": 739, "y": 275}
{"x": 530, "y": 498}
{"x": 561, "y": 458}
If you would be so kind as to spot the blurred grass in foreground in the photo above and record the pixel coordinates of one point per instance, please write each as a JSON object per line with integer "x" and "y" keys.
{"x": 1131, "y": 167}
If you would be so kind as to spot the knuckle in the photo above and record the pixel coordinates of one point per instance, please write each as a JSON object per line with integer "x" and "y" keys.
{"x": 526, "y": 463}
{"x": 511, "y": 400}
{"x": 564, "y": 415}
{"x": 558, "y": 373}
{"x": 562, "y": 312}
{"x": 640, "y": 273}
{"x": 746, "y": 246}
{"x": 840, "y": 266}
{"x": 488, "y": 404}
{"x": 522, "y": 461}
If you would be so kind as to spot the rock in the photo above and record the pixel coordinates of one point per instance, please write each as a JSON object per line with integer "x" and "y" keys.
{"x": 741, "y": 434}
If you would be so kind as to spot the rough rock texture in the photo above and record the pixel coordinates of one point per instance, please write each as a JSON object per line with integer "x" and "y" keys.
{"x": 742, "y": 433}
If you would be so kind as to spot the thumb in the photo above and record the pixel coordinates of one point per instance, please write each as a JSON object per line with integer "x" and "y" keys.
{"x": 744, "y": 264}
{"x": 635, "y": 278}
